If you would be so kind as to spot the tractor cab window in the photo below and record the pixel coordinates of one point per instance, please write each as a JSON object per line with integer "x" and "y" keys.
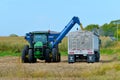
{"x": 40, "y": 37}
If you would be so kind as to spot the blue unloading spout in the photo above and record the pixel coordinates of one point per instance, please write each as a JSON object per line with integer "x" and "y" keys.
{"x": 67, "y": 28}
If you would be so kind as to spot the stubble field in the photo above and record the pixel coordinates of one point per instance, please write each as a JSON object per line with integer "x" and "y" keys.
{"x": 108, "y": 68}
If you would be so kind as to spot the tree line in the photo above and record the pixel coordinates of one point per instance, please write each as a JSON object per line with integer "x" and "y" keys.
{"x": 108, "y": 29}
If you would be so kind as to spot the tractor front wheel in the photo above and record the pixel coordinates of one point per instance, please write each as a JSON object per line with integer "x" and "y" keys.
{"x": 24, "y": 56}
{"x": 31, "y": 56}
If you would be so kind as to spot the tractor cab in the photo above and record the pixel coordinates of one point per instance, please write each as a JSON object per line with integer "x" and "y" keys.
{"x": 40, "y": 38}
{"x": 37, "y": 38}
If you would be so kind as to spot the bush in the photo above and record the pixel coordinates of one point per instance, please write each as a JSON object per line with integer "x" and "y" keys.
{"x": 13, "y": 35}
{"x": 106, "y": 42}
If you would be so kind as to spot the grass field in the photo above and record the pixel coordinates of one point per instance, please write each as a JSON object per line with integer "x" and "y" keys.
{"x": 11, "y": 67}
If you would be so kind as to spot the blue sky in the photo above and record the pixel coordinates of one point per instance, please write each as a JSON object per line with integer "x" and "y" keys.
{"x": 21, "y": 16}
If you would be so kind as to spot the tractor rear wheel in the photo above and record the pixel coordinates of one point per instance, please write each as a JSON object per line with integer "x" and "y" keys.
{"x": 47, "y": 56}
{"x": 31, "y": 56}
{"x": 24, "y": 56}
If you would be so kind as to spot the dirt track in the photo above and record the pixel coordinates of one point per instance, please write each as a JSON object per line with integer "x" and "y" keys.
{"x": 11, "y": 68}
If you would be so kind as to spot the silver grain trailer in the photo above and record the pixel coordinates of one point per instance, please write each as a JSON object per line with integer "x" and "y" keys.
{"x": 83, "y": 45}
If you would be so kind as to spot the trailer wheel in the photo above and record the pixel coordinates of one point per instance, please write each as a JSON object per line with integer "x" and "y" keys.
{"x": 54, "y": 54}
{"x": 97, "y": 56}
{"x": 90, "y": 58}
{"x": 31, "y": 56}
{"x": 71, "y": 58}
{"x": 47, "y": 56}
{"x": 24, "y": 56}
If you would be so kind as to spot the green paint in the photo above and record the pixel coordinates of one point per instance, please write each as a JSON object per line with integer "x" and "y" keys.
{"x": 38, "y": 44}
{"x": 37, "y": 53}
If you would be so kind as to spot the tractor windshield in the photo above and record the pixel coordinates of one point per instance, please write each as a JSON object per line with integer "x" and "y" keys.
{"x": 40, "y": 37}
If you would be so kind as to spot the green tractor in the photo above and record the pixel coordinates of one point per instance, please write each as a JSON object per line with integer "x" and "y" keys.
{"x": 40, "y": 47}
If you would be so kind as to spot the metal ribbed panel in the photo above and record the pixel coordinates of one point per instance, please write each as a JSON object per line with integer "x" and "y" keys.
{"x": 80, "y": 40}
